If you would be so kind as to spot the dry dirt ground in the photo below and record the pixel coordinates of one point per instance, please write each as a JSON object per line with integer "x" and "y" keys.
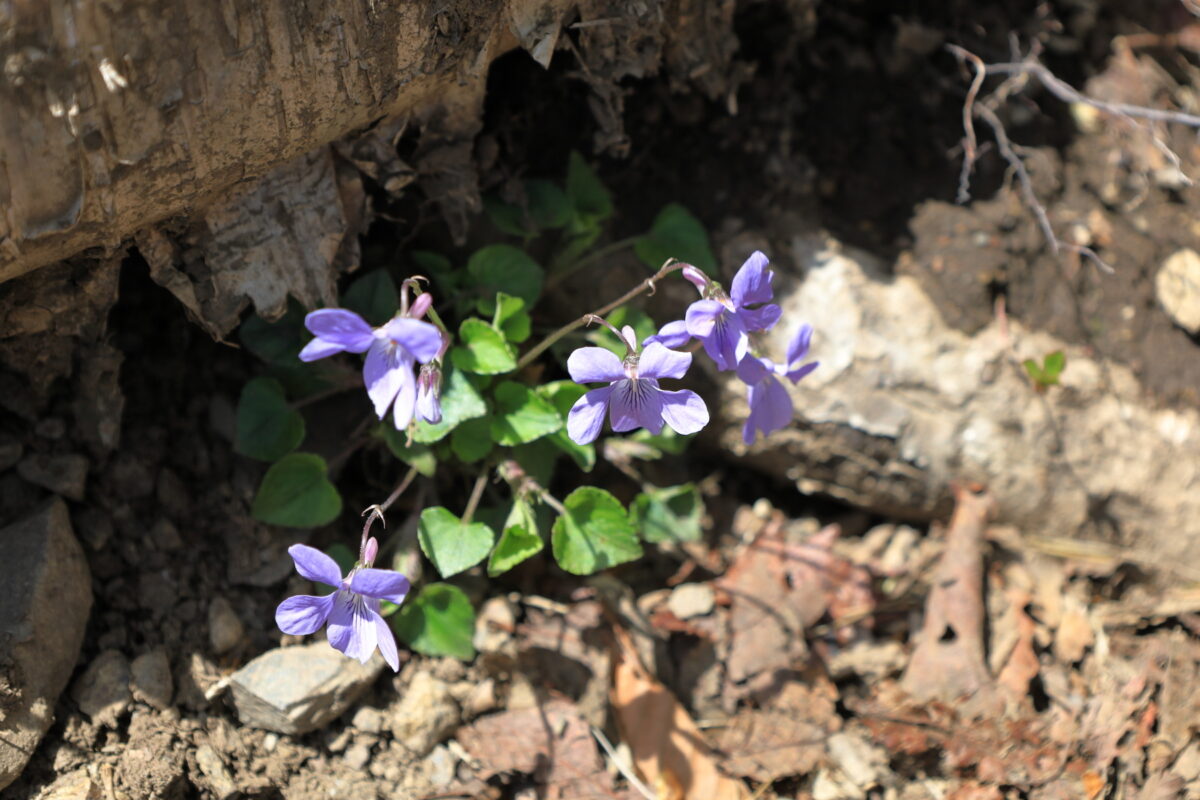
{"x": 803, "y": 649}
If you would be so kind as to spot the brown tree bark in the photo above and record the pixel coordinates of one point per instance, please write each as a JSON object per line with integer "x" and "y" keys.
{"x": 119, "y": 114}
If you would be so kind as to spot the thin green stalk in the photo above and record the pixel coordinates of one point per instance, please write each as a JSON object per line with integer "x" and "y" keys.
{"x": 476, "y": 495}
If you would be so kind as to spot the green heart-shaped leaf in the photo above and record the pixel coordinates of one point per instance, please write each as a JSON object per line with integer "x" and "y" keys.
{"x": 451, "y": 545}
{"x": 296, "y": 493}
{"x": 594, "y": 534}
{"x": 438, "y": 622}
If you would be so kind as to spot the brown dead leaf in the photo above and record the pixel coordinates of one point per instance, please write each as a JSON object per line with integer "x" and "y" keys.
{"x": 766, "y": 635}
{"x": 668, "y": 749}
{"x": 948, "y": 662}
{"x": 787, "y": 737}
{"x": 778, "y": 590}
{"x": 553, "y": 743}
{"x": 973, "y": 790}
{"x": 1022, "y": 666}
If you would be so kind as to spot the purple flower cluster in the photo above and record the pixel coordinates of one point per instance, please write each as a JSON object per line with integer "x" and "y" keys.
{"x": 355, "y": 625}
{"x": 392, "y": 351}
{"x": 723, "y": 324}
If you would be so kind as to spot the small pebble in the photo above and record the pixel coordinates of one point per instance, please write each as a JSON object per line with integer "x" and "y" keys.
{"x": 690, "y": 600}
{"x": 65, "y": 475}
{"x": 225, "y": 629}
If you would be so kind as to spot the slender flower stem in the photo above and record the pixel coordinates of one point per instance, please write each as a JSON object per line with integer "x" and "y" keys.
{"x": 550, "y": 500}
{"x": 476, "y": 494}
{"x": 596, "y": 255}
{"x": 671, "y": 266}
{"x": 399, "y": 490}
{"x": 325, "y": 394}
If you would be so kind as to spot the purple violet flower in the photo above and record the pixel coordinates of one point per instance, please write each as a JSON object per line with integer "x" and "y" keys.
{"x": 352, "y": 612}
{"x": 770, "y": 403}
{"x": 722, "y": 321}
{"x": 632, "y": 398}
{"x": 392, "y": 349}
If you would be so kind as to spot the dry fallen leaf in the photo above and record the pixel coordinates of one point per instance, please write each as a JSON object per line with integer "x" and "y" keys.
{"x": 551, "y": 742}
{"x": 669, "y": 751}
{"x": 949, "y": 662}
{"x": 1021, "y": 666}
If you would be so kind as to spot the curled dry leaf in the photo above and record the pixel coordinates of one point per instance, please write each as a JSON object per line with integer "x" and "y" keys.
{"x": 949, "y": 662}
{"x": 668, "y": 749}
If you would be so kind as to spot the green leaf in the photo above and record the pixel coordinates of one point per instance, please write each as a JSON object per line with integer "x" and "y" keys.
{"x": 676, "y": 234}
{"x": 585, "y": 191}
{"x": 519, "y": 541}
{"x": 511, "y": 318}
{"x": 504, "y": 268}
{"x": 279, "y": 341}
{"x": 521, "y": 415}
{"x": 438, "y": 622}
{"x": 548, "y": 204}
{"x": 472, "y": 440}
{"x": 583, "y": 234}
{"x": 666, "y": 442}
{"x": 296, "y": 493}
{"x": 484, "y": 350}
{"x": 1034, "y": 371}
{"x": 345, "y": 558}
{"x": 267, "y": 427}
{"x": 460, "y": 402}
{"x": 373, "y": 297}
{"x": 669, "y": 515}
{"x": 594, "y": 534}
{"x": 562, "y": 395}
{"x": 451, "y": 545}
{"x": 1053, "y": 365}
{"x": 507, "y": 217}
{"x": 537, "y": 459}
{"x": 416, "y": 455}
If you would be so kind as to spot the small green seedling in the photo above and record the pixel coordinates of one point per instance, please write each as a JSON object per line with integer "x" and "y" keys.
{"x": 1046, "y": 374}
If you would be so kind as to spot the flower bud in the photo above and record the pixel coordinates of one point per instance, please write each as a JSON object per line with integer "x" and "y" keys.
{"x": 420, "y": 305}
{"x": 696, "y": 277}
{"x": 370, "y": 551}
{"x": 429, "y": 389}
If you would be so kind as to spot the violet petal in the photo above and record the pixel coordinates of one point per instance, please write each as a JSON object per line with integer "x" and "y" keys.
{"x": 342, "y": 327}
{"x": 752, "y": 283}
{"x": 384, "y": 584}
{"x": 684, "y": 411}
{"x": 311, "y": 563}
{"x": 303, "y": 614}
{"x": 586, "y": 417}
{"x": 421, "y": 339}
{"x": 636, "y": 404}
{"x": 657, "y": 361}
{"x": 594, "y": 365}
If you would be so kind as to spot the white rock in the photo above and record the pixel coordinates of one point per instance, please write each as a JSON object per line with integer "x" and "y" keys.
{"x": 1178, "y": 288}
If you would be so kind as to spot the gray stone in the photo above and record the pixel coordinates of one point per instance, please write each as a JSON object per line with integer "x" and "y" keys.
{"x": 225, "y": 629}
{"x": 102, "y": 692}
{"x": 216, "y": 774}
{"x": 1177, "y": 286}
{"x": 425, "y": 714}
{"x": 45, "y": 598}
{"x": 65, "y": 475}
{"x": 295, "y": 690}
{"x": 691, "y": 600}
{"x": 151, "y": 682}
{"x": 10, "y": 454}
{"x": 358, "y": 755}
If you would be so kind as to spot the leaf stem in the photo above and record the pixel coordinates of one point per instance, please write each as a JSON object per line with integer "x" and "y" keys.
{"x": 670, "y": 266}
{"x": 476, "y": 494}
{"x": 559, "y": 275}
